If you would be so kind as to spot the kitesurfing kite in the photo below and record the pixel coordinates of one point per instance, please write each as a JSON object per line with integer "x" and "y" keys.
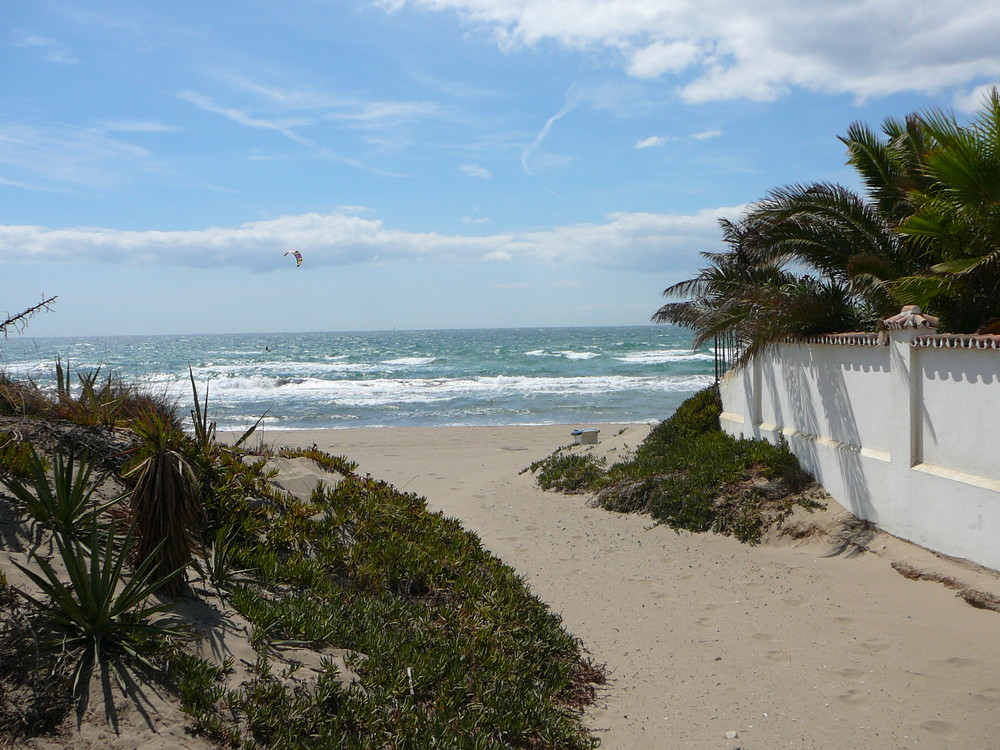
{"x": 298, "y": 257}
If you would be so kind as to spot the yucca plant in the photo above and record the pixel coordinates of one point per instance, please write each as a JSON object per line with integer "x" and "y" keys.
{"x": 96, "y": 404}
{"x": 165, "y": 502}
{"x": 218, "y": 563}
{"x": 204, "y": 430}
{"x": 99, "y": 609}
{"x": 65, "y": 503}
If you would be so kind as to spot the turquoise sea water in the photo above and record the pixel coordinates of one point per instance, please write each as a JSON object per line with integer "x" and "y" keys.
{"x": 398, "y": 378}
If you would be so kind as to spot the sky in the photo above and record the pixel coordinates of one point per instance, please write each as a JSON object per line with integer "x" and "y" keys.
{"x": 438, "y": 163}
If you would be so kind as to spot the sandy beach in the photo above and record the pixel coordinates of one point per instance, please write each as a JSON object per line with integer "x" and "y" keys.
{"x": 710, "y": 643}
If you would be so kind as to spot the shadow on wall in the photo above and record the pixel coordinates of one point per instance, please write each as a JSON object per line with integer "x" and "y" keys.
{"x": 808, "y": 381}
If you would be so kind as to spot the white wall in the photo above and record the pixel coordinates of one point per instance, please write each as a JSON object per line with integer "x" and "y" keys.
{"x": 900, "y": 432}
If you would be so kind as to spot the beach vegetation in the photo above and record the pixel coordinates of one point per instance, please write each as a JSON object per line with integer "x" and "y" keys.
{"x": 443, "y": 645}
{"x": 819, "y": 258}
{"x": 688, "y": 474}
{"x": 16, "y": 457}
{"x": 67, "y": 503}
{"x": 568, "y": 472}
{"x": 99, "y": 613}
{"x": 165, "y": 501}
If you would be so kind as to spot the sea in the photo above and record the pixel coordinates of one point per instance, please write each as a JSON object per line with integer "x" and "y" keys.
{"x": 423, "y": 378}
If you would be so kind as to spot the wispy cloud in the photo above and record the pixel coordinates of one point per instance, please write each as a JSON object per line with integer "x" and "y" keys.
{"x": 57, "y": 157}
{"x": 474, "y": 170}
{"x": 46, "y": 48}
{"x": 572, "y": 101}
{"x": 644, "y": 241}
{"x": 560, "y": 284}
{"x": 655, "y": 141}
{"x": 134, "y": 126}
{"x": 286, "y": 127}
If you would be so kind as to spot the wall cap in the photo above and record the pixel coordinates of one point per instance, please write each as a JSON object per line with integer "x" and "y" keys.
{"x": 958, "y": 341}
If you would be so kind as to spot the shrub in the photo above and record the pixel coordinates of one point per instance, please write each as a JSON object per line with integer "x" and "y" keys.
{"x": 688, "y": 474}
{"x": 15, "y": 457}
{"x": 569, "y": 473}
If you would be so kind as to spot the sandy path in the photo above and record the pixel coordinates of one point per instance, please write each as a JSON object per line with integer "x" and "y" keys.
{"x": 788, "y": 647}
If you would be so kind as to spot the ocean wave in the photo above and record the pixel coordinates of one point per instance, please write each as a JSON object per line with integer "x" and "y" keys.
{"x": 562, "y": 354}
{"x": 382, "y": 392}
{"x": 410, "y": 361}
{"x": 664, "y": 356}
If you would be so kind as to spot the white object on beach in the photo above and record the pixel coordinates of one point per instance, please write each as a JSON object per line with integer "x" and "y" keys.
{"x": 585, "y": 437}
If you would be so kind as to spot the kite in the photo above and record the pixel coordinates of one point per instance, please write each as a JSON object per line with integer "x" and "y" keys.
{"x": 298, "y": 257}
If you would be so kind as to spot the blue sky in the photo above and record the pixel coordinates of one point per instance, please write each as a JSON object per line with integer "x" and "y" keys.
{"x": 438, "y": 163}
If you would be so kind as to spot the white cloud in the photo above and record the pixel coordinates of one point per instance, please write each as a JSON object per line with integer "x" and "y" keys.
{"x": 653, "y": 141}
{"x": 730, "y": 49}
{"x": 658, "y": 58}
{"x": 972, "y": 101}
{"x": 474, "y": 170}
{"x": 642, "y": 241}
{"x": 658, "y": 140}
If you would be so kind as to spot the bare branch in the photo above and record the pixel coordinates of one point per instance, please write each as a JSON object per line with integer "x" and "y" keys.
{"x": 19, "y": 321}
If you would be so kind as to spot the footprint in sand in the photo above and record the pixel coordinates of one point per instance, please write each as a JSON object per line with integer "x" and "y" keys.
{"x": 988, "y": 695}
{"x": 850, "y": 673}
{"x": 939, "y": 728}
{"x": 853, "y": 698}
{"x": 959, "y": 663}
{"x": 875, "y": 645}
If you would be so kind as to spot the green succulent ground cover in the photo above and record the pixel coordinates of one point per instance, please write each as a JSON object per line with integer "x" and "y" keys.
{"x": 449, "y": 647}
{"x": 688, "y": 474}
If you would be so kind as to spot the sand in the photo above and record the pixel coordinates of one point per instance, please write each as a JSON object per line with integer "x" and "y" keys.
{"x": 711, "y": 643}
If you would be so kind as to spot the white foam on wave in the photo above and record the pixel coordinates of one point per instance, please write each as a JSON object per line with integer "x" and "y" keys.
{"x": 409, "y": 361}
{"x": 383, "y": 392}
{"x": 562, "y": 354}
{"x": 663, "y": 356}
{"x": 578, "y": 355}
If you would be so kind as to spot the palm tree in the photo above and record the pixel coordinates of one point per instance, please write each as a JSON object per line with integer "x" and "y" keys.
{"x": 956, "y": 221}
{"x": 747, "y": 293}
{"x": 818, "y": 258}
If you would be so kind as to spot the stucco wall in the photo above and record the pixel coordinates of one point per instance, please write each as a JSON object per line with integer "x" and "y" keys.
{"x": 902, "y": 433}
